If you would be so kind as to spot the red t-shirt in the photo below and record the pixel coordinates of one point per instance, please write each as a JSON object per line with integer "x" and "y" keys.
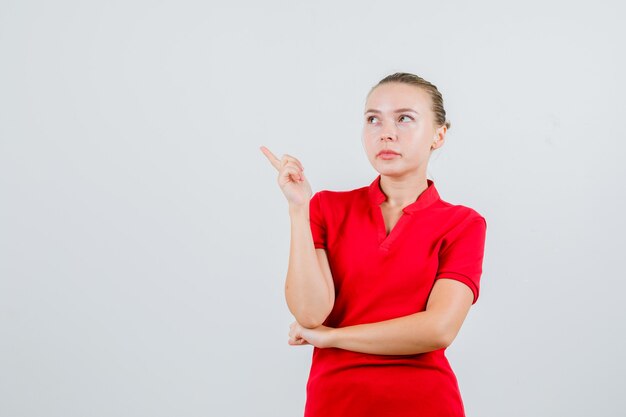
{"x": 379, "y": 277}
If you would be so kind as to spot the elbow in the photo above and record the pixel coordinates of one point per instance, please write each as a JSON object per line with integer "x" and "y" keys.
{"x": 311, "y": 320}
{"x": 309, "y": 323}
{"x": 444, "y": 335}
{"x": 445, "y": 341}
{"x": 309, "y": 314}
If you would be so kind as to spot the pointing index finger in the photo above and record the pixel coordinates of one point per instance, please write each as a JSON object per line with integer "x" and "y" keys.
{"x": 271, "y": 157}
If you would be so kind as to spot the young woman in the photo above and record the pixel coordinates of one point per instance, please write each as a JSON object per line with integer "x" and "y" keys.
{"x": 381, "y": 277}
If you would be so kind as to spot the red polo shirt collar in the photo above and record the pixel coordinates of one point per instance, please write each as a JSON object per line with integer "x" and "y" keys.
{"x": 425, "y": 199}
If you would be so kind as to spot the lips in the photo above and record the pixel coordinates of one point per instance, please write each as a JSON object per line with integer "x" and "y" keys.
{"x": 387, "y": 152}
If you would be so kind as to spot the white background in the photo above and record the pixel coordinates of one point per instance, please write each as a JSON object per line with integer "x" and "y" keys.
{"x": 144, "y": 239}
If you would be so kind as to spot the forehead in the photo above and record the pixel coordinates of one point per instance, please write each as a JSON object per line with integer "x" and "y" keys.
{"x": 391, "y": 96}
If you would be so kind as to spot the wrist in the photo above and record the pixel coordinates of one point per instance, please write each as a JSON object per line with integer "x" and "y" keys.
{"x": 334, "y": 337}
{"x": 299, "y": 209}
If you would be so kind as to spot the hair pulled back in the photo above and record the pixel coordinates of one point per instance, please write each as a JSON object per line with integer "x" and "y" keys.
{"x": 431, "y": 89}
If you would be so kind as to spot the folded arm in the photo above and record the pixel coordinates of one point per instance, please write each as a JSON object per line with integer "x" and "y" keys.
{"x": 425, "y": 331}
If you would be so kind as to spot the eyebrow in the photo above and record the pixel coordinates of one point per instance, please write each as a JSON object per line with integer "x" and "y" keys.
{"x": 404, "y": 109}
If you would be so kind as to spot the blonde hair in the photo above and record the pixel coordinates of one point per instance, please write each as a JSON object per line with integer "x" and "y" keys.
{"x": 431, "y": 89}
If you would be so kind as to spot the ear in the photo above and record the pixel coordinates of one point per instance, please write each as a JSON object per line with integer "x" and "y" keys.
{"x": 439, "y": 137}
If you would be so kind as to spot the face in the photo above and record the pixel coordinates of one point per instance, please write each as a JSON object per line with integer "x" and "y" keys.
{"x": 398, "y": 118}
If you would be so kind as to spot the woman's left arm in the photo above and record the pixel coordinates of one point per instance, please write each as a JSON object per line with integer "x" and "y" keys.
{"x": 425, "y": 331}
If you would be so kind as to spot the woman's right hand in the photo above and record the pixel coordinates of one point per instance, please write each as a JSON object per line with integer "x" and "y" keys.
{"x": 291, "y": 179}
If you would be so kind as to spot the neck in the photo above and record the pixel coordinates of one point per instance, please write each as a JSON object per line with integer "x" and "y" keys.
{"x": 402, "y": 191}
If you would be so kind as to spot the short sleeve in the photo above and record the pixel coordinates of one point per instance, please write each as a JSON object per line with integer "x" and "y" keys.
{"x": 318, "y": 225}
{"x": 461, "y": 254}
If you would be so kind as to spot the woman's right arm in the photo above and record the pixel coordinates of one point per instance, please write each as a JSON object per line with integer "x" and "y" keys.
{"x": 309, "y": 287}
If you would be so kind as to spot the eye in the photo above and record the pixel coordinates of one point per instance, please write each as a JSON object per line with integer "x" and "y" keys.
{"x": 369, "y": 119}
{"x": 404, "y": 115}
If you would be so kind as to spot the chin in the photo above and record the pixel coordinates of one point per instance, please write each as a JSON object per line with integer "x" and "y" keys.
{"x": 395, "y": 170}
{"x": 388, "y": 170}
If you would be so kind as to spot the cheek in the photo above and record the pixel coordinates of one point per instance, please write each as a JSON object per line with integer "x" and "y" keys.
{"x": 410, "y": 129}
{"x": 368, "y": 142}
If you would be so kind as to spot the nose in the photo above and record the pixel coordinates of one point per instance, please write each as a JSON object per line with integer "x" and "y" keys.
{"x": 388, "y": 132}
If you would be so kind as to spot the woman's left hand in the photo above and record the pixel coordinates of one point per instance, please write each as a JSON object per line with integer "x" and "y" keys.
{"x": 320, "y": 337}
